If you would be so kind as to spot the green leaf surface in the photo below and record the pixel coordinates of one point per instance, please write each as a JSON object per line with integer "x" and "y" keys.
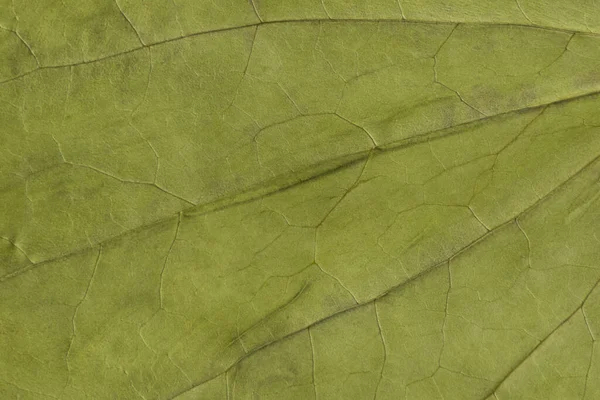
{"x": 299, "y": 199}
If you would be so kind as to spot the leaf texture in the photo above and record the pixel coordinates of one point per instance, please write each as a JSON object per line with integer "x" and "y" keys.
{"x": 299, "y": 199}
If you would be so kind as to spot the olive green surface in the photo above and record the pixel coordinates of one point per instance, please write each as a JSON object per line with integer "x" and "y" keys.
{"x": 299, "y": 199}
